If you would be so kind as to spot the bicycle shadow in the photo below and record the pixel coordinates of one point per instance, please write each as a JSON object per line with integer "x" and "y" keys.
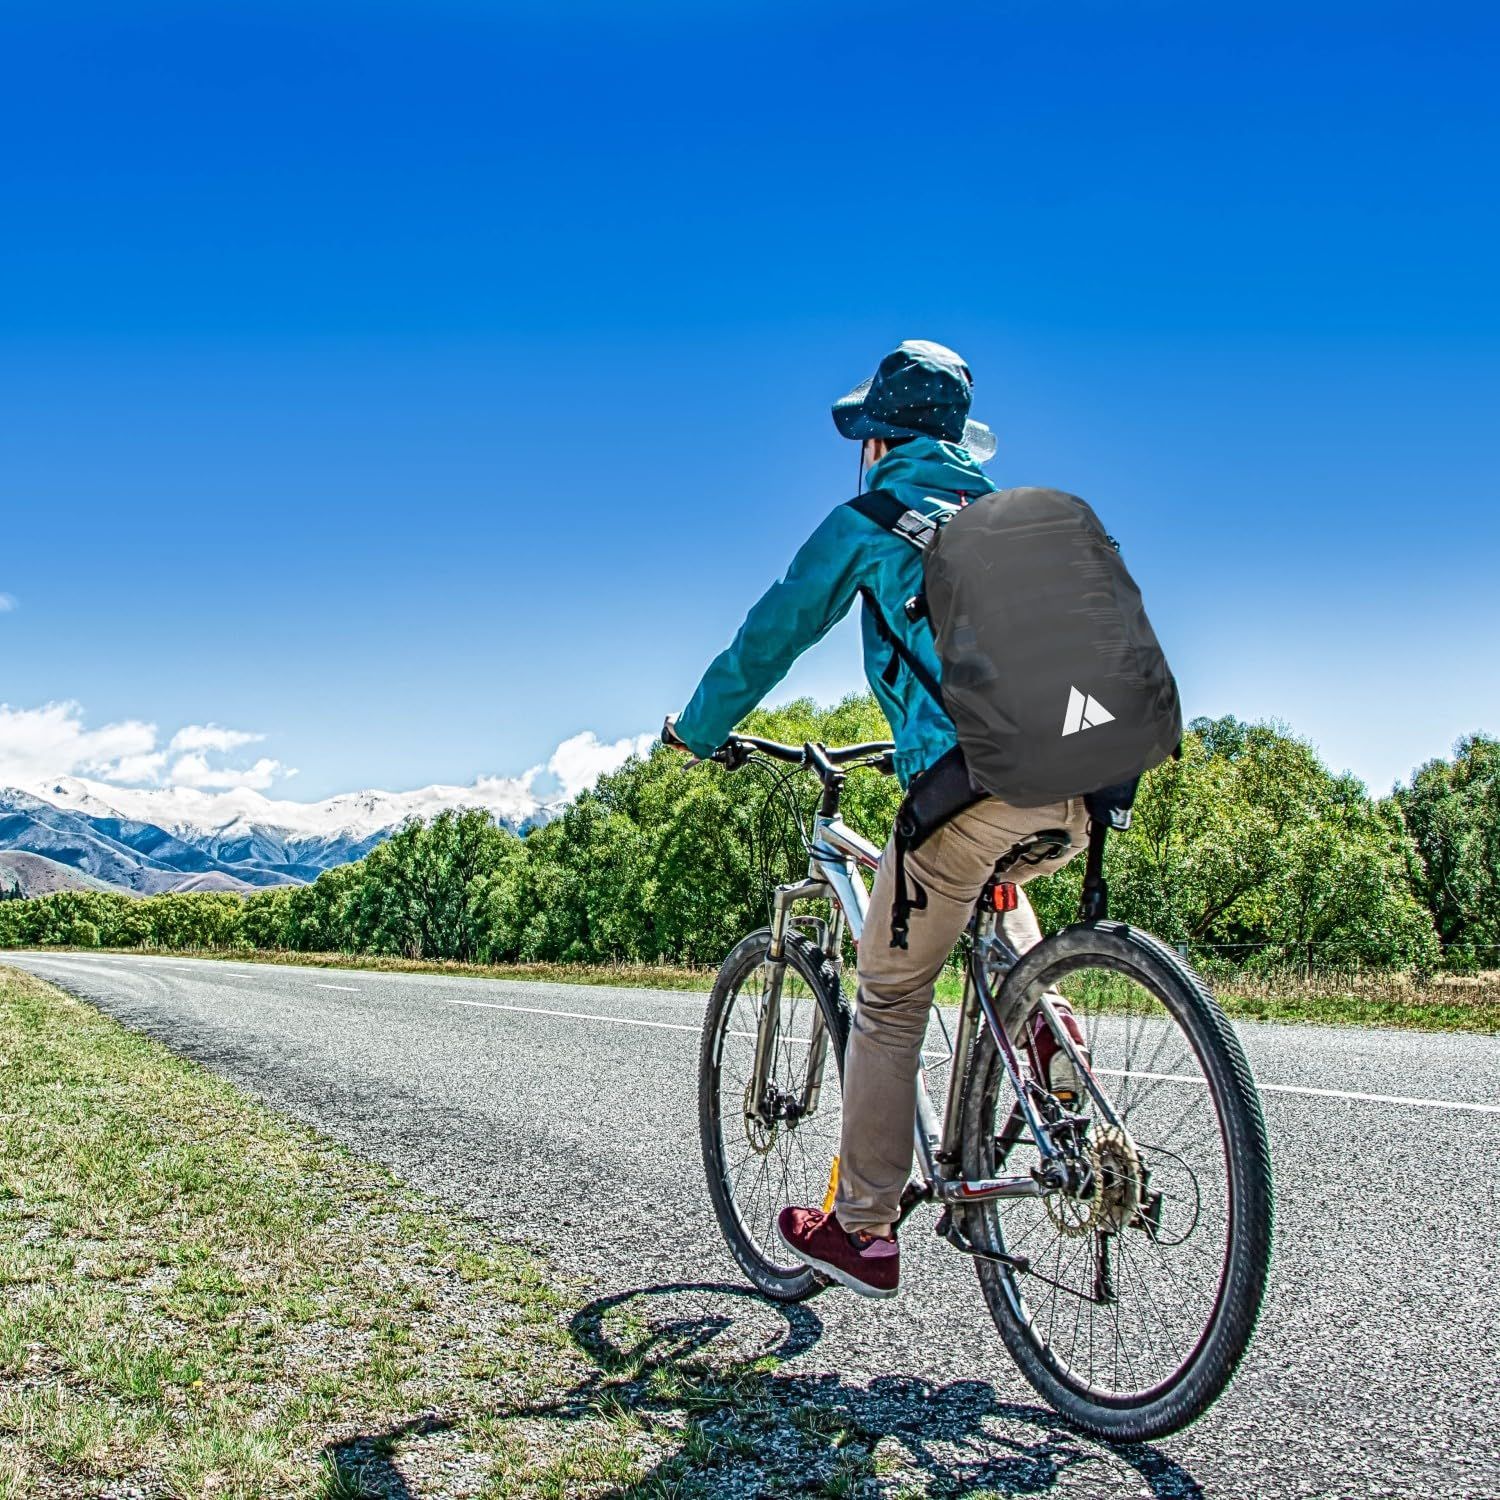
{"x": 698, "y": 1364}
{"x": 363, "y": 1466}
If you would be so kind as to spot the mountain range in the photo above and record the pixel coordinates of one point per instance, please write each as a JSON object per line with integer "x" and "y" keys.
{"x": 82, "y": 834}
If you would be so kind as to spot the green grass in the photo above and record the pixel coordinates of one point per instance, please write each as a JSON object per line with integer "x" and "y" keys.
{"x": 1446, "y": 1002}
{"x": 202, "y": 1299}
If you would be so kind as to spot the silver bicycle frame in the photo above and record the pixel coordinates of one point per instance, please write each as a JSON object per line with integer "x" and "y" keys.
{"x": 837, "y": 854}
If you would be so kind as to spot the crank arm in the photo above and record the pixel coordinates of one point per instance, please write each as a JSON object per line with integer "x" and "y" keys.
{"x": 951, "y": 1234}
{"x": 947, "y": 1229}
{"x": 911, "y": 1195}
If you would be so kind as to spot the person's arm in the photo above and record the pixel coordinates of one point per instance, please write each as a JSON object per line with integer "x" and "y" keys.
{"x": 790, "y": 616}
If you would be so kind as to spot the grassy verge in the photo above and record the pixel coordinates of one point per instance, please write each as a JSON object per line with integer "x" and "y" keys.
{"x": 199, "y": 1299}
{"x": 1442, "y": 1002}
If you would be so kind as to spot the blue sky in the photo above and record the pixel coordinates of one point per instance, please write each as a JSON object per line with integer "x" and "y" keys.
{"x": 418, "y": 386}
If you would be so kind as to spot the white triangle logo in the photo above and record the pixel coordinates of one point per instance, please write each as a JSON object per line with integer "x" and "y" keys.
{"x": 1084, "y": 712}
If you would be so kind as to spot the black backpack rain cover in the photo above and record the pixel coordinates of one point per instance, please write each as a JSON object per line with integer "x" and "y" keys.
{"x": 1051, "y": 672}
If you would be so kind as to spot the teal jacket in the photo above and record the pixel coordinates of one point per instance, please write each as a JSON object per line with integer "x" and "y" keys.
{"x": 846, "y": 554}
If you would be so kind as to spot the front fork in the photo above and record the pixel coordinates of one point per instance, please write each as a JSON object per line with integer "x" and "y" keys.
{"x": 769, "y": 1021}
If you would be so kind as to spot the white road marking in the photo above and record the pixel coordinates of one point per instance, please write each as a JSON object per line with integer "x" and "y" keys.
{"x": 1265, "y": 1088}
{"x": 1294, "y": 1088}
{"x": 1470, "y": 1106}
{"x": 569, "y": 1015}
{"x": 348, "y": 989}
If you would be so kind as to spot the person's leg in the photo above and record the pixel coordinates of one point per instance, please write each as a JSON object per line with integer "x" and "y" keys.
{"x": 895, "y": 994}
{"x": 1022, "y": 931}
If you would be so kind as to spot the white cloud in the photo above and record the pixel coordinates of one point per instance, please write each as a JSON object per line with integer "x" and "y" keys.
{"x": 52, "y": 742}
{"x": 580, "y": 761}
{"x": 134, "y": 768}
{"x": 38, "y": 743}
{"x": 8, "y": 602}
{"x": 194, "y": 771}
{"x": 210, "y": 737}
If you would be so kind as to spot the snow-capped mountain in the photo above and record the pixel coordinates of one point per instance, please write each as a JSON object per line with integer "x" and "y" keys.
{"x": 174, "y": 838}
{"x": 349, "y": 817}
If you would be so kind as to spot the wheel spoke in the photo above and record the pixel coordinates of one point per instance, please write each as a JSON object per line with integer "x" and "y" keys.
{"x": 782, "y": 1158}
{"x": 1158, "y": 1304}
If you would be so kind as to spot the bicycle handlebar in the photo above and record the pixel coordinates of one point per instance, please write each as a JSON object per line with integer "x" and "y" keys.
{"x": 739, "y": 747}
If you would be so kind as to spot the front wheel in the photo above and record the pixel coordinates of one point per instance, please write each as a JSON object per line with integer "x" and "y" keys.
{"x": 762, "y": 1154}
{"x": 1129, "y": 1303}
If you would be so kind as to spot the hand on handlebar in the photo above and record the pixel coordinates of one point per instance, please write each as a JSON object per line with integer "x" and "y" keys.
{"x": 731, "y": 753}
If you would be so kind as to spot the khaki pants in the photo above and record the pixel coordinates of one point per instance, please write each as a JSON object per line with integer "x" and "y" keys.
{"x": 895, "y": 988}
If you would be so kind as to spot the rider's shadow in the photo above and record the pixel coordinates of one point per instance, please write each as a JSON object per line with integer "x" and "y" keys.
{"x": 697, "y": 1364}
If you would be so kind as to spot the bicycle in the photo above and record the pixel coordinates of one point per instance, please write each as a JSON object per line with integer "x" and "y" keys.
{"x": 1122, "y": 1245}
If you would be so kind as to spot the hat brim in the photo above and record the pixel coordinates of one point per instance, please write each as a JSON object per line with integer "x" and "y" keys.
{"x": 853, "y": 421}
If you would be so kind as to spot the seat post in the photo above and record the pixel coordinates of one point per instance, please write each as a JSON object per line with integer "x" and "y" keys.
{"x": 1094, "y": 904}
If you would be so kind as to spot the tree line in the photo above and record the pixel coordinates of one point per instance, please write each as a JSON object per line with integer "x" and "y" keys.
{"x": 1247, "y": 851}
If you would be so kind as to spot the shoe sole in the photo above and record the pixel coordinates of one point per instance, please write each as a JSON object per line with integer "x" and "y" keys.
{"x": 837, "y": 1273}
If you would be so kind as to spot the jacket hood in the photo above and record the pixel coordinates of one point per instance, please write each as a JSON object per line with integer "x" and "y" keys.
{"x": 927, "y": 463}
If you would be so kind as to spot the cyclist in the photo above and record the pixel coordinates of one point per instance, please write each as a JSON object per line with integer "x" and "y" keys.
{"x": 912, "y": 420}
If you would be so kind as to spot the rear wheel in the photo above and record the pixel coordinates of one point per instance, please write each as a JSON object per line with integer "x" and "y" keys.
{"x": 760, "y": 1160}
{"x": 1136, "y": 1296}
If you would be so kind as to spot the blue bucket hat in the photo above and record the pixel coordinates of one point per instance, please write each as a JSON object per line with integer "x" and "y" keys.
{"x": 921, "y": 389}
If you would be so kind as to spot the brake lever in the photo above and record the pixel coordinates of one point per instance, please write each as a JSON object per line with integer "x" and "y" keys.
{"x": 731, "y": 757}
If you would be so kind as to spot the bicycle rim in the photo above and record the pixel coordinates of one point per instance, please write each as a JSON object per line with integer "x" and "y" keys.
{"x": 1141, "y": 1295}
{"x": 758, "y": 1167}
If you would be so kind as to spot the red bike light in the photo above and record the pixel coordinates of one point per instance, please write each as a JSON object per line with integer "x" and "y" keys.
{"x": 1005, "y": 895}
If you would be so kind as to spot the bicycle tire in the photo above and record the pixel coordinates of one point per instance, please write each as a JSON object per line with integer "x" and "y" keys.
{"x": 1202, "y": 1378}
{"x": 782, "y": 1282}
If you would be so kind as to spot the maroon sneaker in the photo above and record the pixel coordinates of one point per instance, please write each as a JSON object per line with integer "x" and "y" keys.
{"x": 1050, "y": 1065}
{"x": 862, "y": 1262}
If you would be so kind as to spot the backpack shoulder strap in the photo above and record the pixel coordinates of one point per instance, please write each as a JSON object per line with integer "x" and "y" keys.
{"x": 889, "y": 514}
{"x": 901, "y": 653}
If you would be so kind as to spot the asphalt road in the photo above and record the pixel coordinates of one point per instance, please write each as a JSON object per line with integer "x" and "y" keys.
{"x": 567, "y": 1117}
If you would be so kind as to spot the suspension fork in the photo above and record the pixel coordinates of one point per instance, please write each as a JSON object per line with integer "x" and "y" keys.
{"x": 769, "y": 1020}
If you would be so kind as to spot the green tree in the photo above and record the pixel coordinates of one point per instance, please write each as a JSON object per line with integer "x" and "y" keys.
{"x": 663, "y": 860}
{"x": 194, "y": 919}
{"x": 1452, "y": 809}
{"x": 266, "y": 919}
{"x": 417, "y": 892}
{"x": 1249, "y": 852}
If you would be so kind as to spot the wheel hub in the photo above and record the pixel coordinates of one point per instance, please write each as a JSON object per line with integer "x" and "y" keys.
{"x": 759, "y": 1132}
